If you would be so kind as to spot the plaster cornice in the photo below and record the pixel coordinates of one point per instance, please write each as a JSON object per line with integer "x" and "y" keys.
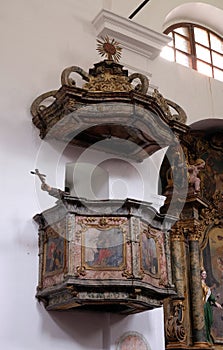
{"x": 132, "y": 36}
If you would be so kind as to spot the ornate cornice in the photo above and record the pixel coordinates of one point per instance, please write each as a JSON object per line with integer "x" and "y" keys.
{"x": 209, "y": 217}
{"x": 132, "y": 36}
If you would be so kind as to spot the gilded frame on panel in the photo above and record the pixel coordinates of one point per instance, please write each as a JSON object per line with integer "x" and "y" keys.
{"x": 54, "y": 253}
{"x": 103, "y": 244}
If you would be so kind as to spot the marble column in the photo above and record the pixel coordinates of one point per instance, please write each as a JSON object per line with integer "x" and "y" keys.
{"x": 178, "y": 260}
{"x": 177, "y": 334}
{"x": 197, "y": 306}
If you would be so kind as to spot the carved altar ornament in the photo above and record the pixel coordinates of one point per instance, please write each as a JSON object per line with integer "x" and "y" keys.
{"x": 176, "y": 175}
{"x": 181, "y": 172}
{"x": 217, "y": 141}
{"x": 193, "y": 174}
{"x": 174, "y": 325}
{"x": 110, "y": 104}
{"x": 218, "y": 201}
{"x": 194, "y": 233}
{"x": 177, "y": 232}
{"x": 166, "y": 104}
{"x": 211, "y": 216}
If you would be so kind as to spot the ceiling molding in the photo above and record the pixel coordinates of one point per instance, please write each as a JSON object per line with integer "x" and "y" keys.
{"x": 132, "y": 36}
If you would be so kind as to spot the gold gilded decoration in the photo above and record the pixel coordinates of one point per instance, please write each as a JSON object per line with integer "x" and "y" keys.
{"x": 194, "y": 234}
{"x": 127, "y": 274}
{"x": 210, "y": 217}
{"x": 108, "y": 82}
{"x": 175, "y": 330}
{"x": 110, "y": 49}
{"x": 81, "y": 270}
{"x": 72, "y": 290}
{"x": 190, "y": 229}
{"x": 218, "y": 199}
{"x": 100, "y": 223}
{"x": 177, "y": 232}
{"x": 135, "y": 292}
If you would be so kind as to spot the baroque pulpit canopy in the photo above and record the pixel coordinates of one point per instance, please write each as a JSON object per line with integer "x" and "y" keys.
{"x": 111, "y": 105}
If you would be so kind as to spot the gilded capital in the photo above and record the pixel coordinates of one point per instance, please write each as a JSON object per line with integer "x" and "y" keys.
{"x": 194, "y": 234}
{"x": 177, "y": 232}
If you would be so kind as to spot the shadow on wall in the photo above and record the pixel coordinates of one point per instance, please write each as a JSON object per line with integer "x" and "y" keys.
{"x": 86, "y": 330}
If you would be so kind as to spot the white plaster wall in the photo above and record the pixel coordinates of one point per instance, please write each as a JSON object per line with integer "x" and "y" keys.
{"x": 38, "y": 40}
{"x": 197, "y": 94}
{"x": 126, "y": 178}
{"x": 87, "y": 180}
{"x": 154, "y": 13}
{"x": 148, "y": 324}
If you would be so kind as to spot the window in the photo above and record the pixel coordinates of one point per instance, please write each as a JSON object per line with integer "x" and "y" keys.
{"x": 195, "y": 47}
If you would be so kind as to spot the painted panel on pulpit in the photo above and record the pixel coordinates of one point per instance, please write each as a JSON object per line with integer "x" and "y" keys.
{"x": 103, "y": 249}
{"x": 54, "y": 256}
{"x": 213, "y": 262}
{"x": 149, "y": 255}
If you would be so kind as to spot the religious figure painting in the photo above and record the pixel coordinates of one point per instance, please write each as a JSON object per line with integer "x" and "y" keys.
{"x": 213, "y": 262}
{"x": 149, "y": 258}
{"x": 103, "y": 249}
{"x": 212, "y": 177}
{"x": 55, "y": 248}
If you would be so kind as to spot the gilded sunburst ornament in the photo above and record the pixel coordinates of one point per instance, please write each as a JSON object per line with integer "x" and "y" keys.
{"x": 110, "y": 49}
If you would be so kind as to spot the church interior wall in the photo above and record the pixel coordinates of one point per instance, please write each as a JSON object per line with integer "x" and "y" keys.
{"x": 38, "y": 40}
